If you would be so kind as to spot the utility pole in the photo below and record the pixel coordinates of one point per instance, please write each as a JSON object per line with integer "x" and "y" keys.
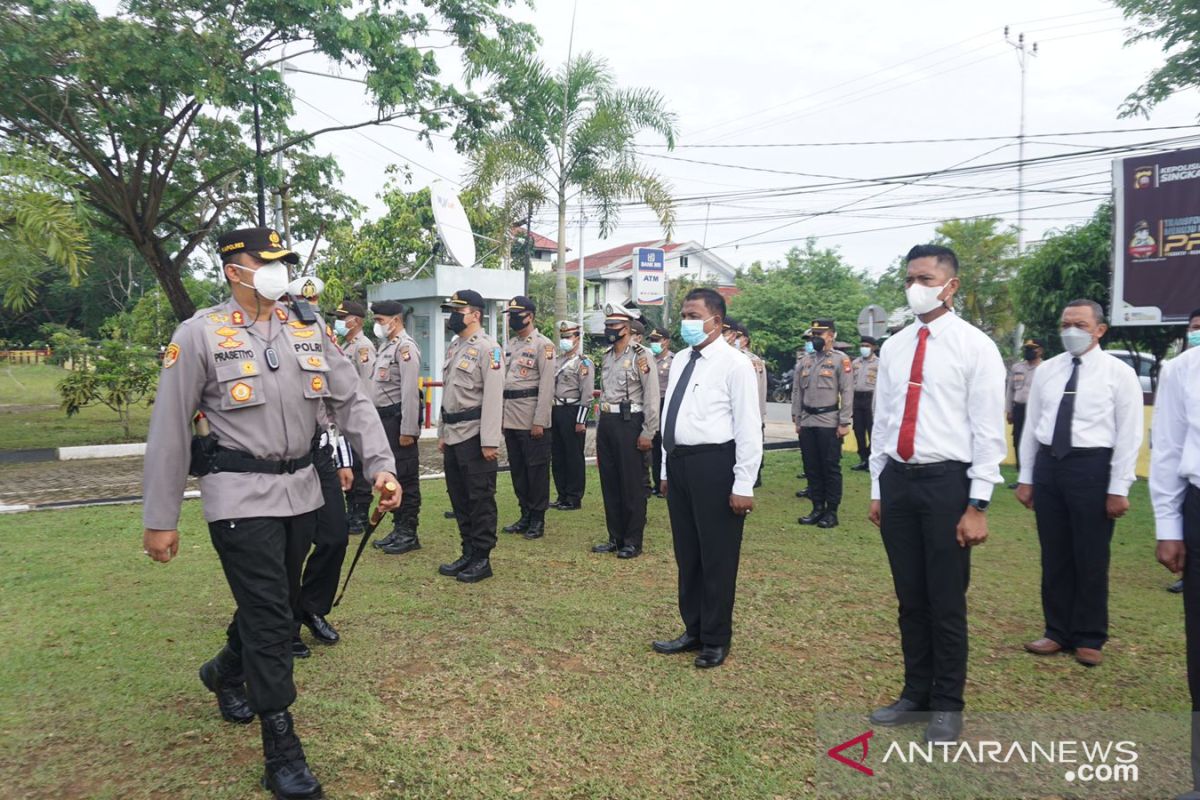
{"x": 258, "y": 165}
{"x": 1023, "y": 55}
{"x": 582, "y": 266}
{"x": 279, "y": 221}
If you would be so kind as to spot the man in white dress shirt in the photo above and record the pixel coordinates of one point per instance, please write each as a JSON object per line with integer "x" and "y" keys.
{"x": 712, "y": 446}
{"x": 1175, "y": 493}
{"x": 1078, "y": 454}
{"x": 937, "y": 444}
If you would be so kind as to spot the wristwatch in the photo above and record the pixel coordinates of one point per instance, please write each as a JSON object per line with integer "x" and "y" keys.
{"x": 979, "y": 505}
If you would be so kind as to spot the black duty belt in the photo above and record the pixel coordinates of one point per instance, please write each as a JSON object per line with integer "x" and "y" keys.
{"x": 517, "y": 394}
{"x": 860, "y": 394}
{"x": 227, "y": 460}
{"x": 818, "y": 409}
{"x": 1015, "y": 403}
{"x": 682, "y": 450}
{"x": 566, "y": 401}
{"x": 451, "y": 417}
{"x": 387, "y": 412}
{"x": 1080, "y": 451}
{"x": 931, "y": 470}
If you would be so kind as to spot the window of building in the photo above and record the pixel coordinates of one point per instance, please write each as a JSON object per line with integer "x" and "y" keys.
{"x": 683, "y": 262}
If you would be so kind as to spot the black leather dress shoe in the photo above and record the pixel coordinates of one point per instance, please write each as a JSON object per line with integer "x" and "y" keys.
{"x": 681, "y": 645}
{"x": 802, "y": 476}
{"x": 454, "y": 567}
{"x": 565, "y": 506}
{"x": 711, "y": 657}
{"x": 1176, "y": 587}
{"x": 606, "y": 547}
{"x": 944, "y": 726}
{"x": 231, "y": 696}
{"x": 320, "y": 628}
{"x": 629, "y": 551}
{"x": 478, "y": 570}
{"x": 299, "y": 648}
{"x": 901, "y": 712}
{"x": 861, "y": 466}
{"x": 804, "y": 494}
{"x": 402, "y": 545}
{"x": 448, "y": 514}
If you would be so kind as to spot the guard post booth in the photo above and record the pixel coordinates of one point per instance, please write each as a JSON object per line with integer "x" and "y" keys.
{"x": 426, "y": 322}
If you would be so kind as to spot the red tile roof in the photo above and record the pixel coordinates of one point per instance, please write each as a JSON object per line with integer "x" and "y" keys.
{"x": 619, "y": 257}
{"x": 539, "y": 242}
{"x": 728, "y": 291}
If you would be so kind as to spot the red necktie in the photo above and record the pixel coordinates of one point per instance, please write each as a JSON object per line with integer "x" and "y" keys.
{"x": 908, "y": 427}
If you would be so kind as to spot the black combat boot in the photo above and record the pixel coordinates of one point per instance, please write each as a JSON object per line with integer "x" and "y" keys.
{"x": 829, "y": 520}
{"x": 406, "y": 542}
{"x": 398, "y": 532}
{"x": 356, "y": 519}
{"x": 222, "y": 676}
{"x": 287, "y": 775}
{"x": 457, "y": 566}
{"x": 479, "y": 569}
{"x": 521, "y": 525}
{"x": 815, "y": 517}
{"x": 537, "y": 525}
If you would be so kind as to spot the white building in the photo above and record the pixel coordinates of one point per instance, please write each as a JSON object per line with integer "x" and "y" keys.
{"x": 545, "y": 251}
{"x": 608, "y": 274}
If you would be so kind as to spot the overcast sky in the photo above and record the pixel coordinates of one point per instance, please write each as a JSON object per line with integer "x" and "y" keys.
{"x": 785, "y": 72}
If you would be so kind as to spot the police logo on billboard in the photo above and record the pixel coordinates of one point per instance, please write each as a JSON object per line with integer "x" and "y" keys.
{"x": 1143, "y": 178}
{"x": 1142, "y": 245}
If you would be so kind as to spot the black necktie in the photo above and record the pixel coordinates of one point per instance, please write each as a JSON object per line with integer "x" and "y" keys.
{"x": 668, "y": 435}
{"x": 1060, "y": 444}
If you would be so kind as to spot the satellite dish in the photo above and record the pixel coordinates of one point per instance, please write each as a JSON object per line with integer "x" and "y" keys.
{"x": 872, "y": 321}
{"x": 452, "y": 226}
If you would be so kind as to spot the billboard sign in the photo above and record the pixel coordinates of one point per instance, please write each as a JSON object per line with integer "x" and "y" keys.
{"x": 1156, "y": 238}
{"x": 649, "y": 276}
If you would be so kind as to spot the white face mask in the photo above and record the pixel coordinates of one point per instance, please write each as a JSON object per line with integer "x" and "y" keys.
{"x": 565, "y": 345}
{"x": 1076, "y": 341}
{"x": 923, "y": 299}
{"x": 865, "y": 352}
{"x": 269, "y": 280}
{"x": 380, "y": 331}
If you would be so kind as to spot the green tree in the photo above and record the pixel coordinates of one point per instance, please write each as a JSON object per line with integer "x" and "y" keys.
{"x": 578, "y": 130}
{"x": 1176, "y": 26}
{"x": 151, "y": 110}
{"x": 120, "y": 376}
{"x": 986, "y": 259}
{"x": 40, "y": 225}
{"x": 777, "y": 304}
{"x": 1076, "y": 263}
{"x": 150, "y": 322}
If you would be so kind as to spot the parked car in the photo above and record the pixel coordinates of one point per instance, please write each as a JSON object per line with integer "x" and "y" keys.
{"x": 1142, "y": 363}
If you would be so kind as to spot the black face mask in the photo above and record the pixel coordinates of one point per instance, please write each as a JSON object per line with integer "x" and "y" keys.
{"x": 457, "y": 322}
{"x": 612, "y": 335}
{"x": 517, "y": 322}
{"x": 1030, "y": 353}
{"x": 818, "y": 345}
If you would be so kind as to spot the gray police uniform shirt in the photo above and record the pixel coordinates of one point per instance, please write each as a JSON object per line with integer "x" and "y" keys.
{"x": 394, "y": 380}
{"x": 217, "y": 363}
{"x": 760, "y": 377}
{"x": 866, "y": 373}
{"x": 629, "y": 377}
{"x": 825, "y": 379}
{"x": 529, "y": 364}
{"x": 361, "y": 352}
{"x": 664, "y": 374}
{"x": 574, "y": 382}
{"x": 473, "y": 377}
{"x": 1020, "y": 381}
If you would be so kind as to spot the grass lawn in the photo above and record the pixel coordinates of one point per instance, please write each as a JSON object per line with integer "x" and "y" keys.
{"x": 538, "y": 683}
{"x": 31, "y": 417}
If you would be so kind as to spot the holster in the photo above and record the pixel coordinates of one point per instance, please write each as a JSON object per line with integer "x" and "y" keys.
{"x": 204, "y": 450}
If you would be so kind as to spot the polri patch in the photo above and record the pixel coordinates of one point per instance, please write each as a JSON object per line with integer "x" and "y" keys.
{"x": 549, "y": 351}
{"x": 496, "y": 358}
{"x": 405, "y": 355}
{"x": 171, "y": 356}
{"x": 317, "y": 384}
{"x": 364, "y": 355}
{"x": 241, "y": 392}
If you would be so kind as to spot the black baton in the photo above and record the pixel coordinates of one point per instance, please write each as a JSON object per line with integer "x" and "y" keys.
{"x": 376, "y": 518}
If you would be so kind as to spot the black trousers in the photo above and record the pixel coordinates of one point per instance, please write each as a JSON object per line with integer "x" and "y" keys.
{"x": 408, "y": 473}
{"x": 361, "y": 490}
{"x": 261, "y": 557}
{"x": 1191, "y": 615}
{"x": 318, "y": 586}
{"x": 921, "y": 509}
{"x": 567, "y": 454}
{"x": 656, "y": 469}
{"x": 821, "y": 450}
{"x": 471, "y": 484}
{"x": 622, "y": 477}
{"x": 707, "y": 536}
{"x": 1075, "y": 534}
{"x": 864, "y": 419}
{"x": 529, "y": 465}
{"x": 1018, "y": 425}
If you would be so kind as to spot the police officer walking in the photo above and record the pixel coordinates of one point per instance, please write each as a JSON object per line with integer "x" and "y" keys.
{"x": 360, "y": 350}
{"x": 258, "y": 371}
{"x": 821, "y": 406}
{"x": 866, "y": 371}
{"x": 469, "y": 433}
{"x": 660, "y": 346}
{"x": 628, "y": 421}
{"x": 1016, "y": 394}
{"x": 574, "y": 381}
{"x": 528, "y": 403}
{"x": 397, "y": 397}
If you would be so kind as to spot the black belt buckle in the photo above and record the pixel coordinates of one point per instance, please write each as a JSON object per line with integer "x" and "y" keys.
{"x": 627, "y": 411}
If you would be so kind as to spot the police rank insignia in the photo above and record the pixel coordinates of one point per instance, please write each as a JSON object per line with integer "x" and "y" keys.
{"x": 219, "y": 318}
{"x": 314, "y": 361}
{"x": 171, "y": 356}
{"x": 248, "y": 368}
{"x": 496, "y": 358}
{"x": 241, "y": 392}
{"x": 303, "y": 334}
{"x": 228, "y": 335}
{"x": 280, "y": 314}
{"x": 238, "y": 318}
{"x": 317, "y": 384}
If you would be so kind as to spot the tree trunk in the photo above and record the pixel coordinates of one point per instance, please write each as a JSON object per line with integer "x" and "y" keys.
{"x": 169, "y": 278}
{"x": 560, "y": 283}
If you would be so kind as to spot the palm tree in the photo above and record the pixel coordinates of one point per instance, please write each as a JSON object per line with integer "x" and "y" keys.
{"x": 578, "y": 131}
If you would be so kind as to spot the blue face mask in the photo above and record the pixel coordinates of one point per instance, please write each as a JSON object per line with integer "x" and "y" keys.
{"x": 808, "y": 347}
{"x": 692, "y": 331}
{"x": 1193, "y": 338}
{"x": 339, "y": 327}
{"x": 656, "y": 347}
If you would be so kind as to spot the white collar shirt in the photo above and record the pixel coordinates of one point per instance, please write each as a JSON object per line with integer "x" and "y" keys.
{"x": 1175, "y": 442}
